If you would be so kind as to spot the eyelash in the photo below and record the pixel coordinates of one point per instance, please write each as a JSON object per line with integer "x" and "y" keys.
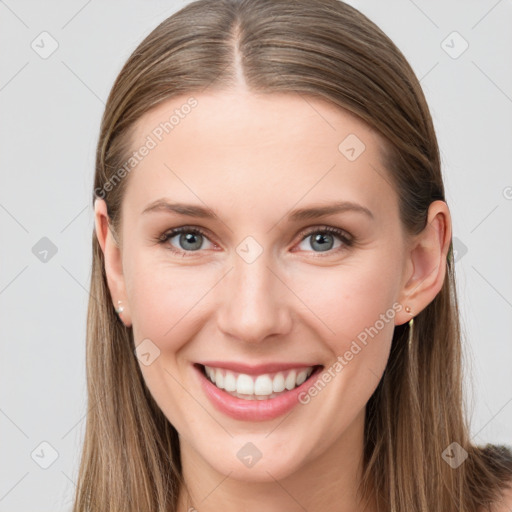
{"x": 347, "y": 239}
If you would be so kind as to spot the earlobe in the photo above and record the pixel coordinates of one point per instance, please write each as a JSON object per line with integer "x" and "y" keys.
{"x": 113, "y": 260}
{"x": 427, "y": 260}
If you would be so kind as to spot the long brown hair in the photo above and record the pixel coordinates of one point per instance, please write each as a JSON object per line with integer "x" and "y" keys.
{"x": 328, "y": 50}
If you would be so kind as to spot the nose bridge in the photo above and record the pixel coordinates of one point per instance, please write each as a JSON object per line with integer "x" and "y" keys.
{"x": 254, "y": 305}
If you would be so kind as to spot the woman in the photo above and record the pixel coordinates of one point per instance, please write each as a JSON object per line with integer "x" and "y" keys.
{"x": 274, "y": 323}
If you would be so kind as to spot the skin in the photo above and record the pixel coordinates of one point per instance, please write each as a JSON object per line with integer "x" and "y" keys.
{"x": 252, "y": 159}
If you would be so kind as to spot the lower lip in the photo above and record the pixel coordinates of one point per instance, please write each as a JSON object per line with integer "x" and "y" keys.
{"x": 253, "y": 410}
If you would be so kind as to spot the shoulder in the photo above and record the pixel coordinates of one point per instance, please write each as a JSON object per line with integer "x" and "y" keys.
{"x": 504, "y": 504}
{"x": 498, "y": 459}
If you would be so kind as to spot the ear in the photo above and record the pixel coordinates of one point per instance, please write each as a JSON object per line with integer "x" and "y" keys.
{"x": 425, "y": 267}
{"x": 113, "y": 259}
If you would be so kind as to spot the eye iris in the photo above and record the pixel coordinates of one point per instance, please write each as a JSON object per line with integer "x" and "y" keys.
{"x": 189, "y": 238}
{"x": 320, "y": 238}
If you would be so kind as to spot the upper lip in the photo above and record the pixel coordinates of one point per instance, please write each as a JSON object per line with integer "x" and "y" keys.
{"x": 255, "y": 369}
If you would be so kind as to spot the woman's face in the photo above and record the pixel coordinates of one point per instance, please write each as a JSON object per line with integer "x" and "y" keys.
{"x": 263, "y": 288}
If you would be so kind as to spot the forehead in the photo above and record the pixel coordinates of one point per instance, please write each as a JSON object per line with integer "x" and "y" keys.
{"x": 258, "y": 149}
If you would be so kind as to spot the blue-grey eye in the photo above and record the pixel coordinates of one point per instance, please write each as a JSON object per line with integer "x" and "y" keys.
{"x": 189, "y": 239}
{"x": 323, "y": 240}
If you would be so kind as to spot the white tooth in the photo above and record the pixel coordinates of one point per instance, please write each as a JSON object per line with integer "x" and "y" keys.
{"x": 301, "y": 377}
{"x": 219, "y": 379}
{"x": 210, "y": 372}
{"x": 290, "y": 380}
{"x": 278, "y": 383}
{"x": 263, "y": 385}
{"x": 245, "y": 384}
{"x": 229, "y": 381}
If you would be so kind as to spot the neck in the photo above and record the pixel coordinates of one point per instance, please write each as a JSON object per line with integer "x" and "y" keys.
{"x": 328, "y": 482}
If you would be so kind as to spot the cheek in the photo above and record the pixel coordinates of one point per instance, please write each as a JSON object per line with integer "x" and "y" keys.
{"x": 163, "y": 299}
{"x": 167, "y": 300}
{"x": 347, "y": 298}
{"x": 353, "y": 306}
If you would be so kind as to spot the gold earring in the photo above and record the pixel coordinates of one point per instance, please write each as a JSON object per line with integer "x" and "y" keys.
{"x": 411, "y": 324}
{"x": 119, "y": 308}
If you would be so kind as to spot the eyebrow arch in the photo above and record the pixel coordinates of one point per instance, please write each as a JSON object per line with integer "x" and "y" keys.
{"x": 296, "y": 215}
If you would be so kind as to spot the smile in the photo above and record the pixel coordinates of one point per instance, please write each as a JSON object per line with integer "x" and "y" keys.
{"x": 257, "y": 387}
{"x": 255, "y": 393}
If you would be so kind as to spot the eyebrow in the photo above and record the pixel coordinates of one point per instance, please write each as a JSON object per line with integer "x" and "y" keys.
{"x": 301, "y": 214}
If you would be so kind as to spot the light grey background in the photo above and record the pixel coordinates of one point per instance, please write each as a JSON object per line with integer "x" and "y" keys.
{"x": 50, "y": 116}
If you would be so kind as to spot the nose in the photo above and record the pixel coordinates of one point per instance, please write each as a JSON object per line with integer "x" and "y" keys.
{"x": 256, "y": 302}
